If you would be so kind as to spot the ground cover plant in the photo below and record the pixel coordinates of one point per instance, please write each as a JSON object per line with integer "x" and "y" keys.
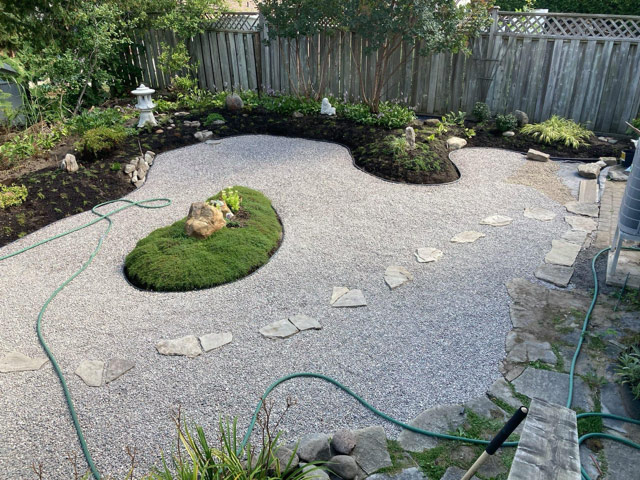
{"x": 169, "y": 260}
{"x": 559, "y": 130}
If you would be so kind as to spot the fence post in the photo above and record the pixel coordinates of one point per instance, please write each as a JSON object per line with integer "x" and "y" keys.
{"x": 487, "y": 76}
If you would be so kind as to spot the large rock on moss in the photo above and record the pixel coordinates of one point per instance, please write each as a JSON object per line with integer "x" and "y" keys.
{"x": 203, "y": 220}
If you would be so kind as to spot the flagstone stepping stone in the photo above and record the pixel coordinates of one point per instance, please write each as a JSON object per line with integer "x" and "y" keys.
{"x": 553, "y": 387}
{"x": 91, "y": 372}
{"x": 395, "y": 276}
{"x": 428, "y": 254}
{"x": 279, "y": 329}
{"x": 455, "y": 473}
{"x": 188, "y": 346}
{"x": 557, "y": 274}
{"x": 304, "y": 322}
{"x": 524, "y": 347}
{"x": 500, "y": 389}
{"x": 538, "y": 213}
{"x": 413, "y": 473}
{"x": 588, "y": 191}
{"x": 581, "y": 223}
{"x": 343, "y": 297}
{"x": 212, "y": 341}
{"x": 443, "y": 418}
{"x": 469, "y": 236}
{"x": 562, "y": 253}
{"x": 497, "y": 221}
{"x": 580, "y": 208}
{"x": 575, "y": 236}
{"x": 486, "y": 408}
{"x": 18, "y": 362}
{"x": 116, "y": 367}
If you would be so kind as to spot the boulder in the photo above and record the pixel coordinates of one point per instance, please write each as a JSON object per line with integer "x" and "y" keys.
{"x": 522, "y": 118}
{"x": 343, "y": 466}
{"x": 343, "y": 441}
{"x": 456, "y": 143}
{"x": 313, "y": 472}
{"x": 314, "y": 447}
{"x": 410, "y": 135}
{"x": 432, "y": 122}
{"x": 537, "y": 156}
{"x": 69, "y": 163}
{"x": 589, "y": 170}
{"x": 285, "y": 457}
{"x": 371, "y": 451}
{"x": 609, "y": 161}
{"x": 234, "y": 103}
{"x": 203, "y": 220}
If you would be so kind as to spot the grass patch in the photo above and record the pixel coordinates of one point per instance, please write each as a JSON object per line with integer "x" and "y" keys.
{"x": 590, "y": 424}
{"x": 169, "y": 260}
{"x": 434, "y": 462}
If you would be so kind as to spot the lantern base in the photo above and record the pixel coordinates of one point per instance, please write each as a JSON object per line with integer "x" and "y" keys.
{"x": 147, "y": 118}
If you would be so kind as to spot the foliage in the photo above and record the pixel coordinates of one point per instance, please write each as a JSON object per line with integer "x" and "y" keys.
{"x": 100, "y": 140}
{"x": 212, "y": 117}
{"x": 390, "y": 115}
{"x": 481, "y": 112}
{"x": 170, "y": 260}
{"x": 36, "y": 140}
{"x": 558, "y": 130}
{"x": 287, "y": 104}
{"x": 13, "y": 195}
{"x": 611, "y": 7}
{"x": 636, "y": 124}
{"x": 420, "y": 159}
{"x": 628, "y": 369}
{"x": 453, "y": 119}
{"x": 507, "y": 122}
{"x": 94, "y": 118}
{"x": 398, "y": 145}
{"x": 232, "y": 198}
{"x": 115, "y": 167}
{"x": 469, "y": 132}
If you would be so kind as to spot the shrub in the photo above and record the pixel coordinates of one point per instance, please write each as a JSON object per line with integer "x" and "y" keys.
{"x": 419, "y": 159}
{"x": 392, "y": 115}
{"x": 13, "y": 195}
{"x": 628, "y": 369}
{"x": 453, "y": 119}
{"x": 100, "y": 140}
{"x": 635, "y": 123}
{"x": 481, "y": 112}
{"x": 232, "y": 198}
{"x": 558, "y": 130}
{"x": 90, "y": 119}
{"x": 287, "y": 104}
{"x": 213, "y": 117}
{"x": 507, "y": 122}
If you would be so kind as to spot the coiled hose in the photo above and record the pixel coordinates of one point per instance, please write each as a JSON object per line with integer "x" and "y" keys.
{"x": 163, "y": 202}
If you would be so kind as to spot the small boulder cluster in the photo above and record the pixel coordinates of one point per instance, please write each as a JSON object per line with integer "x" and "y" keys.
{"x": 138, "y": 167}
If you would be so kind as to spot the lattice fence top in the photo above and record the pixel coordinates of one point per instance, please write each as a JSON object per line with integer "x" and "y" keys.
{"x": 570, "y": 25}
{"x": 236, "y": 21}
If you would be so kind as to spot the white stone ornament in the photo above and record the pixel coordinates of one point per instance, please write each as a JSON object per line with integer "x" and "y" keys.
{"x": 326, "y": 108}
{"x": 145, "y": 105}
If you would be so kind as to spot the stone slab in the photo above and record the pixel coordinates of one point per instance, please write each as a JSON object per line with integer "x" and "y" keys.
{"x": 556, "y": 274}
{"x": 353, "y": 298}
{"x": 486, "y": 408}
{"x": 413, "y": 473}
{"x": 588, "y": 191}
{"x": 428, "y": 254}
{"x": 337, "y": 293}
{"x": 371, "y": 451}
{"x": 553, "y": 387}
{"x": 304, "y": 322}
{"x": 116, "y": 367}
{"x": 496, "y": 220}
{"x": 279, "y": 329}
{"x": 396, "y": 276}
{"x": 455, "y": 473}
{"x": 212, "y": 341}
{"x": 18, "y": 362}
{"x": 188, "y": 346}
{"x": 584, "y": 209}
{"x": 523, "y": 347}
{"x": 575, "y": 236}
{"x": 562, "y": 253}
{"x": 500, "y": 389}
{"x": 468, "y": 236}
{"x": 442, "y": 418}
{"x": 581, "y": 223}
{"x": 91, "y": 372}
{"x": 538, "y": 213}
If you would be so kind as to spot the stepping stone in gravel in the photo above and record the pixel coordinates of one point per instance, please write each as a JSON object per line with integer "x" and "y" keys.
{"x": 575, "y": 236}
{"x": 280, "y": 329}
{"x": 428, "y": 254}
{"x": 588, "y": 192}
{"x": 562, "y": 253}
{"x": 188, "y": 346}
{"x": 443, "y": 418}
{"x": 212, "y": 341}
{"x": 586, "y": 209}
{"x": 116, "y": 368}
{"x": 538, "y": 213}
{"x": 91, "y": 372}
{"x": 371, "y": 451}
{"x": 497, "y": 221}
{"x": 553, "y": 387}
{"x": 581, "y": 223}
{"x": 557, "y": 274}
{"x": 455, "y": 473}
{"x": 500, "y": 389}
{"x": 304, "y": 322}
{"x": 17, "y": 362}
{"x": 469, "y": 236}
{"x": 395, "y": 276}
{"x": 343, "y": 297}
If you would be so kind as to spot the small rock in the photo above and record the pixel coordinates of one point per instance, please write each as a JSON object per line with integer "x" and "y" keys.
{"x": 314, "y": 447}
{"x": 69, "y": 163}
{"x": 280, "y": 329}
{"x": 191, "y": 124}
{"x": 589, "y": 170}
{"x": 134, "y": 177}
{"x": 602, "y": 139}
{"x": 116, "y": 368}
{"x": 557, "y": 274}
{"x": 371, "y": 451}
{"x": 612, "y": 141}
{"x": 343, "y": 441}
{"x": 326, "y": 108}
{"x": 509, "y": 133}
{"x": 417, "y": 123}
{"x": 17, "y": 362}
{"x": 581, "y": 208}
{"x": 344, "y": 466}
{"x": 234, "y": 103}
{"x": 149, "y": 157}
{"x": 141, "y": 174}
{"x": 609, "y": 161}
{"x": 428, "y": 254}
{"x": 617, "y": 175}
{"x": 213, "y": 142}
{"x": 313, "y": 472}
{"x": 187, "y": 346}
{"x": 203, "y": 135}
{"x": 91, "y": 371}
{"x": 469, "y": 236}
{"x": 537, "y": 156}
{"x": 432, "y": 122}
{"x": 497, "y": 221}
{"x": 286, "y": 460}
{"x": 521, "y": 117}
{"x": 138, "y": 183}
{"x": 129, "y": 169}
{"x": 304, "y": 322}
{"x": 159, "y": 131}
{"x": 211, "y": 341}
{"x": 297, "y": 114}
{"x": 203, "y": 220}
{"x": 218, "y": 122}
{"x": 456, "y": 143}
{"x": 396, "y": 276}
{"x": 351, "y": 298}
{"x": 562, "y": 253}
{"x": 181, "y": 114}
{"x": 538, "y": 213}
{"x": 410, "y": 136}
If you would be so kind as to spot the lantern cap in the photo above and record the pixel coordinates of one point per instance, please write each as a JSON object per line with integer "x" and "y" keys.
{"x": 143, "y": 90}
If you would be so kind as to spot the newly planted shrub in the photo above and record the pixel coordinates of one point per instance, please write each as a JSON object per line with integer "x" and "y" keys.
{"x": 558, "y": 130}
{"x": 213, "y": 117}
{"x": 481, "y": 112}
{"x": 100, "y": 140}
{"x": 628, "y": 369}
{"x": 391, "y": 115}
{"x": 453, "y": 119}
{"x": 507, "y": 122}
{"x": 232, "y": 198}
{"x": 13, "y": 195}
{"x": 99, "y": 117}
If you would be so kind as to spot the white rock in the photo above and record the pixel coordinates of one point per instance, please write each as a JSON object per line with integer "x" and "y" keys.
{"x": 538, "y": 213}
{"x": 428, "y": 254}
{"x": 396, "y": 276}
{"x": 497, "y": 221}
{"x": 280, "y": 329}
{"x": 456, "y": 143}
{"x": 468, "y": 236}
{"x": 69, "y": 163}
{"x": 187, "y": 346}
{"x": 326, "y": 108}
{"x": 149, "y": 157}
{"x": 410, "y": 135}
{"x": 18, "y": 362}
{"x": 353, "y": 298}
{"x": 91, "y": 372}
{"x": 129, "y": 169}
{"x": 203, "y": 135}
{"x": 215, "y": 340}
{"x": 304, "y": 322}
{"x": 509, "y": 133}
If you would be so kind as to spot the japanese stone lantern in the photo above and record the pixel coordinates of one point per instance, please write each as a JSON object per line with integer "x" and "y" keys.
{"x": 145, "y": 105}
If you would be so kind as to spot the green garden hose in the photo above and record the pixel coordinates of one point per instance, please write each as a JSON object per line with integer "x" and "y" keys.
{"x": 165, "y": 202}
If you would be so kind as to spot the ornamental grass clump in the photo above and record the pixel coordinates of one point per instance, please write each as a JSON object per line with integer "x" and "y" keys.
{"x": 559, "y": 130}
{"x": 628, "y": 369}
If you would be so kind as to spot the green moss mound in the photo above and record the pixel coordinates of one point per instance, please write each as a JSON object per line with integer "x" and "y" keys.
{"x": 168, "y": 260}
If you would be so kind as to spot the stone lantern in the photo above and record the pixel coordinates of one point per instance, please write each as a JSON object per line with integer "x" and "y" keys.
{"x": 145, "y": 105}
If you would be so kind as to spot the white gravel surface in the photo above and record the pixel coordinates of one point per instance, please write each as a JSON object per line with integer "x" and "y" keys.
{"x": 436, "y": 340}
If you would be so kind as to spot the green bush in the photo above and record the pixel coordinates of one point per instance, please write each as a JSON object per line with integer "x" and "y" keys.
{"x": 392, "y": 115}
{"x": 99, "y": 117}
{"x": 13, "y": 195}
{"x": 628, "y": 369}
{"x": 611, "y": 7}
{"x": 507, "y": 122}
{"x": 232, "y": 198}
{"x": 100, "y": 140}
{"x": 481, "y": 112}
{"x": 287, "y": 104}
{"x": 212, "y": 117}
{"x": 420, "y": 159}
{"x": 453, "y": 119}
{"x": 558, "y": 130}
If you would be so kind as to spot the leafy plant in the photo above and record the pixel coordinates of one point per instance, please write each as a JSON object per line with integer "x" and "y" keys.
{"x": 13, "y": 195}
{"x": 98, "y": 117}
{"x": 469, "y": 132}
{"x": 558, "y": 130}
{"x": 115, "y": 166}
{"x": 453, "y": 119}
{"x": 232, "y": 198}
{"x": 398, "y": 145}
{"x": 441, "y": 129}
{"x": 213, "y": 117}
{"x": 628, "y": 369}
{"x": 390, "y": 115}
{"x": 100, "y": 140}
{"x": 481, "y": 112}
{"x": 507, "y": 122}
{"x": 287, "y": 104}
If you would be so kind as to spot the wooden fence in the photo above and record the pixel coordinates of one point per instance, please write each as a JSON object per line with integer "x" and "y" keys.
{"x": 582, "y": 67}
